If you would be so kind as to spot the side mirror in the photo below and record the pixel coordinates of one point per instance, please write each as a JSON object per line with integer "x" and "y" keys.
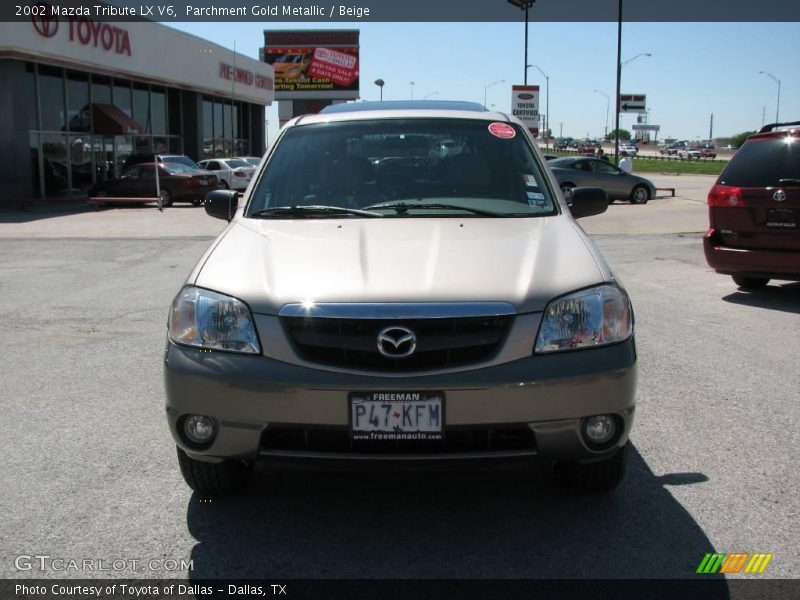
{"x": 222, "y": 204}
{"x": 587, "y": 201}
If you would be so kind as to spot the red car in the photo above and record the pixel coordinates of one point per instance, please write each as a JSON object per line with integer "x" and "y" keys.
{"x": 754, "y": 210}
{"x": 708, "y": 153}
{"x": 177, "y": 182}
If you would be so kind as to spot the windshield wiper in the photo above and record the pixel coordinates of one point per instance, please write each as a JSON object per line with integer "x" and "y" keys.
{"x": 789, "y": 180}
{"x": 403, "y": 207}
{"x": 311, "y": 210}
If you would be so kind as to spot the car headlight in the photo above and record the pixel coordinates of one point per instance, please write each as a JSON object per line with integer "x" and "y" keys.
{"x": 588, "y": 318}
{"x": 205, "y": 319}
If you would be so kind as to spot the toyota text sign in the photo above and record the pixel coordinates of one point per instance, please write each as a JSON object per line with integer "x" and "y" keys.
{"x": 525, "y": 105}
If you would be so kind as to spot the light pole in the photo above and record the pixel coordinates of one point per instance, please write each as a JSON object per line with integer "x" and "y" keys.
{"x": 635, "y": 57}
{"x": 547, "y": 104}
{"x": 380, "y": 83}
{"x": 620, "y": 64}
{"x": 487, "y": 86}
{"x": 778, "y": 105}
{"x": 412, "y": 89}
{"x": 608, "y": 102}
{"x": 524, "y": 5}
{"x": 426, "y": 96}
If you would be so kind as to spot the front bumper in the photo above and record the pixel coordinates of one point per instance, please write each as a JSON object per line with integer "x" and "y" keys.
{"x": 775, "y": 264}
{"x": 549, "y": 394}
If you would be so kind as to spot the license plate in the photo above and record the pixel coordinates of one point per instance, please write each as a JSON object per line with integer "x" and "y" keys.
{"x": 378, "y": 416}
{"x": 782, "y": 218}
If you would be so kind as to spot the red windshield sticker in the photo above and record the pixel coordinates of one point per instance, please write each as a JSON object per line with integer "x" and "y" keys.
{"x": 502, "y": 130}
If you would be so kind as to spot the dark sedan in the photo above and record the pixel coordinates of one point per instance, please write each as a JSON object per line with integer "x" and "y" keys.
{"x": 573, "y": 172}
{"x": 177, "y": 182}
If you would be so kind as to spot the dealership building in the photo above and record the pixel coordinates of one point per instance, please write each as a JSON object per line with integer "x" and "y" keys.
{"x": 78, "y": 97}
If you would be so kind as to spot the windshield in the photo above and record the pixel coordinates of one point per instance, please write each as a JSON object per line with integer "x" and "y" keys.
{"x": 253, "y": 161}
{"x": 182, "y": 160}
{"x": 404, "y": 168}
{"x": 764, "y": 162}
{"x": 174, "y": 167}
{"x": 235, "y": 163}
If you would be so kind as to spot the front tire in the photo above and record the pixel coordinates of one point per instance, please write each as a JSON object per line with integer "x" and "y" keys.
{"x": 750, "y": 283}
{"x": 166, "y": 199}
{"x": 214, "y": 479}
{"x": 595, "y": 477}
{"x": 640, "y": 195}
{"x": 566, "y": 189}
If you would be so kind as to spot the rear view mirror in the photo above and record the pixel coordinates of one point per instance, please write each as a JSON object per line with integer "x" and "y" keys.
{"x": 222, "y": 204}
{"x": 587, "y": 201}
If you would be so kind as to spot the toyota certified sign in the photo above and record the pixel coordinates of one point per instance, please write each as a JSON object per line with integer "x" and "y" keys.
{"x": 525, "y": 105}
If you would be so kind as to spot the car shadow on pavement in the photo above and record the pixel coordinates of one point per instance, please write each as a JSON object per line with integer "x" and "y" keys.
{"x": 474, "y": 524}
{"x": 39, "y": 212}
{"x": 784, "y": 297}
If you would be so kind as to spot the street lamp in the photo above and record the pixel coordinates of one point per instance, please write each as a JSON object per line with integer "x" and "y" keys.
{"x": 426, "y": 96}
{"x": 608, "y": 101}
{"x": 547, "y": 103}
{"x": 412, "y": 89}
{"x": 380, "y": 83}
{"x": 486, "y": 87}
{"x": 778, "y": 105}
{"x": 524, "y": 5}
{"x": 635, "y": 57}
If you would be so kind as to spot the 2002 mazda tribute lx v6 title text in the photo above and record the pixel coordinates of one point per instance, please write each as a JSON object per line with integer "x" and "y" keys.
{"x": 403, "y": 281}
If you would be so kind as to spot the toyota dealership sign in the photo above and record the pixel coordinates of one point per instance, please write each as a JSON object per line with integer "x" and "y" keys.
{"x": 525, "y": 105}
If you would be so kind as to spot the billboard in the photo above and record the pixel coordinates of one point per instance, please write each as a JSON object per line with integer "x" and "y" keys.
{"x": 313, "y": 64}
{"x": 525, "y": 105}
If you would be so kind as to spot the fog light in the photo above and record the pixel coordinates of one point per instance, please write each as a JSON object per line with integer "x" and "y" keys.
{"x": 199, "y": 429}
{"x": 600, "y": 429}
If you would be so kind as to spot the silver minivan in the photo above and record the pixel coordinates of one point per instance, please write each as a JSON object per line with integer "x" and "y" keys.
{"x": 377, "y": 298}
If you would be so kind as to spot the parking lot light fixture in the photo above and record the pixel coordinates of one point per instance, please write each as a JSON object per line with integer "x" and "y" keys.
{"x": 608, "y": 102}
{"x": 524, "y": 5}
{"x": 380, "y": 83}
{"x": 635, "y": 57}
{"x": 778, "y": 104}
{"x": 487, "y": 86}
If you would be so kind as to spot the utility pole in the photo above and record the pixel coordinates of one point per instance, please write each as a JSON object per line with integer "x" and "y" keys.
{"x": 711, "y": 129}
{"x": 763, "y": 114}
{"x": 561, "y": 130}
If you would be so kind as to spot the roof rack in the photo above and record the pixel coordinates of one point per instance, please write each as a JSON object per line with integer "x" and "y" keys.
{"x": 779, "y": 126}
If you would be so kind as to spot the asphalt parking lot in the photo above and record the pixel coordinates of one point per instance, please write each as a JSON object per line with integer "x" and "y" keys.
{"x": 90, "y": 469}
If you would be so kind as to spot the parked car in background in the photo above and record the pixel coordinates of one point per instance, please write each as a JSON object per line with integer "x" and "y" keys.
{"x": 754, "y": 210}
{"x": 135, "y": 159}
{"x": 253, "y": 160}
{"x": 669, "y": 149}
{"x": 629, "y": 149}
{"x": 708, "y": 152}
{"x": 572, "y": 172}
{"x": 587, "y": 147}
{"x": 233, "y": 173}
{"x": 177, "y": 183}
{"x": 345, "y": 315}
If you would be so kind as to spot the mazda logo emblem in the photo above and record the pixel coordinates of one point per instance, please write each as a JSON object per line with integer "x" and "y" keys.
{"x": 779, "y": 196}
{"x": 397, "y": 342}
{"x": 47, "y": 24}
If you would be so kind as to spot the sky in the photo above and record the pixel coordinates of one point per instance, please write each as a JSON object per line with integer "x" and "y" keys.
{"x": 695, "y": 69}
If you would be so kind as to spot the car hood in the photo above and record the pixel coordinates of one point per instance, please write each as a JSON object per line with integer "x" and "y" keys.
{"x": 526, "y": 262}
